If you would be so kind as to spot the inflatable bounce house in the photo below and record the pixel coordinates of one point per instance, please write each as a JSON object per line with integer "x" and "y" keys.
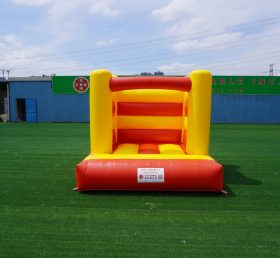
{"x": 150, "y": 133}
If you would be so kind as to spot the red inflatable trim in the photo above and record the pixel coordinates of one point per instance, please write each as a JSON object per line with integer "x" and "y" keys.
{"x": 149, "y": 135}
{"x": 154, "y": 82}
{"x": 149, "y": 109}
{"x": 179, "y": 175}
{"x": 147, "y": 148}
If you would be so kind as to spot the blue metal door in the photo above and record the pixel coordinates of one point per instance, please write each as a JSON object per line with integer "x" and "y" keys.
{"x": 31, "y": 110}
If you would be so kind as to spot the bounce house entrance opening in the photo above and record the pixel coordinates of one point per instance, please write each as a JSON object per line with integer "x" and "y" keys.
{"x": 150, "y": 133}
{"x": 144, "y": 124}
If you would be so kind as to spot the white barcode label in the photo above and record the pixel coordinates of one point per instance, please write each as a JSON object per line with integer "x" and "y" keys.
{"x": 150, "y": 175}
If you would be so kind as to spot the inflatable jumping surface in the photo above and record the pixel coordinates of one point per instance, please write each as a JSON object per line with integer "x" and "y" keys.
{"x": 150, "y": 133}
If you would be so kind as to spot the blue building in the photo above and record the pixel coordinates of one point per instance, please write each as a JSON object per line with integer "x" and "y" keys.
{"x": 33, "y": 99}
{"x": 247, "y": 109}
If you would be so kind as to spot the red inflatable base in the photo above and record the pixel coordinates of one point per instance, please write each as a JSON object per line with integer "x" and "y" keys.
{"x": 150, "y": 175}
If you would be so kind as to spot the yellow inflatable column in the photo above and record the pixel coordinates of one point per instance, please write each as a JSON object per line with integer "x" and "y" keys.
{"x": 101, "y": 124}
{"x": 199, "y": 109}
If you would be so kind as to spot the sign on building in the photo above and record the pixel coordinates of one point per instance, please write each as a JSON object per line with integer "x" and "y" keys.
{"x": 221, "y": 84}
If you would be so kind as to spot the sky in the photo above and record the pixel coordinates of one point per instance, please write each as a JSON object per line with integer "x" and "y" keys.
{"x": 74, "y": 37}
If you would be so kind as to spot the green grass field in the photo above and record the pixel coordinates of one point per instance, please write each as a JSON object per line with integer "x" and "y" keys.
{"x": 41, "y": 216}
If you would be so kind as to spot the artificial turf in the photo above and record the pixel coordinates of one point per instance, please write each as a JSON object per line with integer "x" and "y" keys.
{"x": 41, "y": 216}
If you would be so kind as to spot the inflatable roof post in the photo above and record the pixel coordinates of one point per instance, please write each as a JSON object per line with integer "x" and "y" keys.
{"x": 101, "y": 113}
{"x": 150, "y": 133}
{"x": 198, "y": 126}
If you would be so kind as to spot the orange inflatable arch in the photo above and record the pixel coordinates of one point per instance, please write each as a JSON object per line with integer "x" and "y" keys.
{"x": 150, "y": 133}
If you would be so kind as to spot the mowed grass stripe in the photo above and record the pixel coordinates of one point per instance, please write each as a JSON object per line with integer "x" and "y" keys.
{"x": 192, "y": 228}
{"x": 42, "y": 217}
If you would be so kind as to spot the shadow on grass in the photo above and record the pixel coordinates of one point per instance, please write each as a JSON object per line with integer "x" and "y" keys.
{"x": 154, "y": 193}
{"x": 231, "y": 176}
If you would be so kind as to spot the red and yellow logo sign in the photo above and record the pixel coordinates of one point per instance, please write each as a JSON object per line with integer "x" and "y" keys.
{"x": 81, "y": 84}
